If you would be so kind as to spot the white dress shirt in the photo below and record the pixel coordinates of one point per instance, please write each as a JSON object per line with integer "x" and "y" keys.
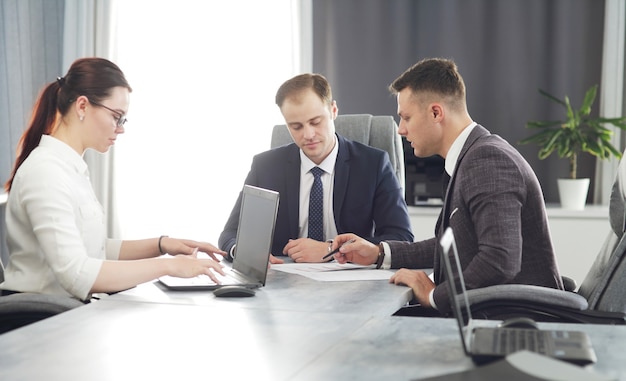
{"x": 56, "y": 227}
{"x": 328, "y": 181}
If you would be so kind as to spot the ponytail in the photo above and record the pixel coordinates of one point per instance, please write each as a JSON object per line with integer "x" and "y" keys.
{"x": 41, "y": 123}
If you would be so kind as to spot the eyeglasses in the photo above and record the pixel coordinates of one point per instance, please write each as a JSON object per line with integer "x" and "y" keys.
{"x": 120, "y": 119}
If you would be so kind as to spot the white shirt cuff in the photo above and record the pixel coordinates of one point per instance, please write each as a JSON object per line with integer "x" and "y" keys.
{"x": 387, "y": 260}
{"x": 431, "y": 298}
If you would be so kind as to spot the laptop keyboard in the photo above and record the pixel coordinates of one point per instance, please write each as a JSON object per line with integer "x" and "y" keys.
{"x": 511, "y": 340}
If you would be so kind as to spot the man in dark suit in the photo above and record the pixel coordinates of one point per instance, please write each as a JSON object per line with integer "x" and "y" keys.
{"x": 493, "y": 201}
{"x": 359, "y": 191}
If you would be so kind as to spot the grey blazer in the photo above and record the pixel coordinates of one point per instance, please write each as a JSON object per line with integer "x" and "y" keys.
{"x": 496, "y": 209}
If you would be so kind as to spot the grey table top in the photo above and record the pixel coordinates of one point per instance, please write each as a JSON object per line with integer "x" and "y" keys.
{"x": 284, "y": 291}
{"x": 293, "y": 329}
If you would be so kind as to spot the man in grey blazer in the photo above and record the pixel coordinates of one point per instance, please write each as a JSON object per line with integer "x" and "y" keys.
{"x": 493, "y": 201}
{"x": 361, "y": 193}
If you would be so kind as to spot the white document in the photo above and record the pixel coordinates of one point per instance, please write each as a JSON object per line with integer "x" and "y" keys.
{"x": 333, "y": 271}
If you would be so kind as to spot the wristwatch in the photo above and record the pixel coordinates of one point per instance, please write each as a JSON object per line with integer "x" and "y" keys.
{"x": 381, "y": 255}
{"x": 330, "y": 248}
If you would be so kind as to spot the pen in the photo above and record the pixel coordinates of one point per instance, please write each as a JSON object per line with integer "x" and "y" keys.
{"x": 337, "y": 249}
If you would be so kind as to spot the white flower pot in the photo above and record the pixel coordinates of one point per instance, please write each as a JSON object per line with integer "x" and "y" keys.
{"x": 573, "y": 193}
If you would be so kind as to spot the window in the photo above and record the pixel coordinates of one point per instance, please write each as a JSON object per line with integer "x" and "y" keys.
{"x": 204, "y": 75}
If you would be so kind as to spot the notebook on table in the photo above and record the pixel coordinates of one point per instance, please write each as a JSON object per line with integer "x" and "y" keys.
{"x": 484, "y": 344}
{"x": 257, "y": 219}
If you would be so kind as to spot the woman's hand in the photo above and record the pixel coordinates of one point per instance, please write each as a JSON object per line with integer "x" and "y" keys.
{"x": 175, "y": 246}
{"x": 189, "y": 266}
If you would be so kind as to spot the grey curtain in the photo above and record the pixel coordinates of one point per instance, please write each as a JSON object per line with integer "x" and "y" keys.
{"x": 505, "y": 50}
{"x": 31, "y": 47}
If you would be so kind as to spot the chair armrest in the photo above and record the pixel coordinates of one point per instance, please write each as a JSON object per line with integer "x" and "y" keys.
{"x": 568, "y": 283}
{"x": 17, "y": 310}
{"x": 528, "y": 293}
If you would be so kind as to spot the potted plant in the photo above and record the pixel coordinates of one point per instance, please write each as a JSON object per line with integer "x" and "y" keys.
{"x": 577, "y": 133}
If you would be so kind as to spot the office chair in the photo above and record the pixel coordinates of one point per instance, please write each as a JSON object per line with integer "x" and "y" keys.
{"x": 601, "y": 298}
{"x": 375, "y": 131}
{"x": 20, "y": 309}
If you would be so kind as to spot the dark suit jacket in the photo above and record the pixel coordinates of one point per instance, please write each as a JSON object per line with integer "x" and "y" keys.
{"x": 496, "y": 209}
{"x": 367, "y": 200}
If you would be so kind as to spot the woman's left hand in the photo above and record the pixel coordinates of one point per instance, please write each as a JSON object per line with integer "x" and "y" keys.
{"x": 175, "y": 246}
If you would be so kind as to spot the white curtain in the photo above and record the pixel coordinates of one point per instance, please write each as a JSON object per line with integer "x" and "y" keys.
{"x": 611, "y": 91}
{"x": 204, "y": 75}
{"x": 88, "y": 31}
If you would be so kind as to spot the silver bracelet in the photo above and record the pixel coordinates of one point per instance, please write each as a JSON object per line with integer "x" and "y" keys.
{"x": 160, "y": 238}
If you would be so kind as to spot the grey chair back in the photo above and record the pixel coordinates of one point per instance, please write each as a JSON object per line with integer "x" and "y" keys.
{"x": 609, "y": 293}
{"x": 604, "y": 286}
{"x": 379, "y": 131}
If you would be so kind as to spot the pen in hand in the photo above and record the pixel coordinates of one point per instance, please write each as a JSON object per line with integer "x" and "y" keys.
{"x": 337, "y": 249}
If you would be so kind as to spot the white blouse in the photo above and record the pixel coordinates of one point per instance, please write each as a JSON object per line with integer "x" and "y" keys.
{"x": 56, "y": 227}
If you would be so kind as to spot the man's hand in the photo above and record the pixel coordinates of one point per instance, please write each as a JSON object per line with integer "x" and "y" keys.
{"x": 275, "y": 260}
{"x": 360, "y": 251}
{"x": 306, "y": 250}
{"x": 419, "y": 282}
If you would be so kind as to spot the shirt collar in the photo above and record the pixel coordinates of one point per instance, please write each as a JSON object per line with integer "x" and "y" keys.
{"x": 66, "y": 152}
{"x": 328, "y": 164}
{"x": 455, "y": 148}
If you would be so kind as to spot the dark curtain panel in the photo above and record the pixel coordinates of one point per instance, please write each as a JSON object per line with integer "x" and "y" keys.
{"x": 505, "y": 50}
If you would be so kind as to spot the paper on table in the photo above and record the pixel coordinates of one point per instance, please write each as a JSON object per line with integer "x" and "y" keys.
{"x": 333, "y": 271}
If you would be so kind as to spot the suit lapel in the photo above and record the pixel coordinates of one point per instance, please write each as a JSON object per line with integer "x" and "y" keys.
{"x": 444, "y": 219}
{"x": 446, "y": 210}
{"x": 342, "y": 175}
{"x": 292, "y": 198}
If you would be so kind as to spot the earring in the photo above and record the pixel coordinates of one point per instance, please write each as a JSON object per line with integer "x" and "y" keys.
{"x": 82, "y": 117}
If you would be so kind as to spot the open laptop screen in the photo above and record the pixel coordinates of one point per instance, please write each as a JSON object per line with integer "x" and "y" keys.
{"x": 456, "y": 287}
{"x": 255, "y": 227}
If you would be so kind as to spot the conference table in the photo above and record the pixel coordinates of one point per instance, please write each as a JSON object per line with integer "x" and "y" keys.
{"x": 294, "y": 328}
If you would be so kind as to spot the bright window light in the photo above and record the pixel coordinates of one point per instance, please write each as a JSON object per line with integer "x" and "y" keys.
{"x": 204, "y": 75}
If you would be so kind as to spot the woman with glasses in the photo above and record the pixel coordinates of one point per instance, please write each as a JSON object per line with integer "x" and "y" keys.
{"x": 56, "y": 228}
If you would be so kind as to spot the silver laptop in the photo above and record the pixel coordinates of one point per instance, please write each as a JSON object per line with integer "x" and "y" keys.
{"x": 484, "y": 344}
{"x": 255, "y": 232}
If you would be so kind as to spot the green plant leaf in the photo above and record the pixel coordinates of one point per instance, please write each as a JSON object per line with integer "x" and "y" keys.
{"x": 552, "y": 97}
{"x": 590, "y": 97}
{"x": 572, "y": 117}
{"x": 544, "y": 124}
{"x": 577, "y": 133}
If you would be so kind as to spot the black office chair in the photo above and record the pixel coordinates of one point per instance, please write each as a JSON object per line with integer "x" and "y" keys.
{"x": 20, "y": 309}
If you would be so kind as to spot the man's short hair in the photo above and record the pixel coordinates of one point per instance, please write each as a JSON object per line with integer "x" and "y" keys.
{"x": 317, "y": 82}
{"x": 433, "y": 77}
